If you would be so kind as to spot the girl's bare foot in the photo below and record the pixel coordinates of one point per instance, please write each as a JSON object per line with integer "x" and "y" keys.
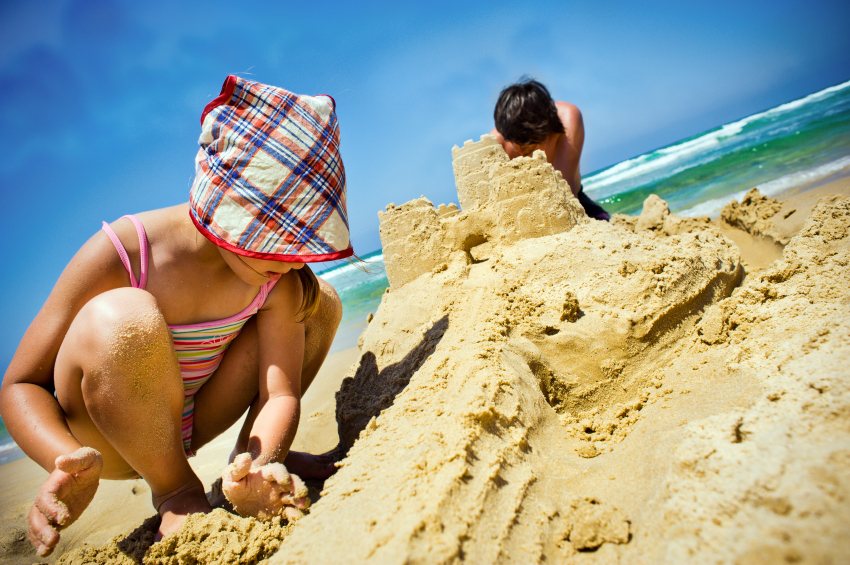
{"x": 263, "y": 492}
{"x": 65, "y": 494}
{"x": 309, "y": 466}
{"x": 174, "y": 506}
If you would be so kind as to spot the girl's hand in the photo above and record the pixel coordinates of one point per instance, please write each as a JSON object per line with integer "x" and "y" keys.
{"x": 62, "y": 498}
{"x": 263, "y": 492}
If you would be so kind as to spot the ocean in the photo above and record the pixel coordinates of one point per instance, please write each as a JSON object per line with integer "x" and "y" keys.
{"x": 360, "y": 287}
{"x": 803, "y": 142}
{"x": 798, "y": 143}
{"x": 8, "y": 450}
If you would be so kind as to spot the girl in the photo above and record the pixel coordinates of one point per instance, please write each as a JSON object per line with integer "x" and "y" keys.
{"x": 167, "y": 326}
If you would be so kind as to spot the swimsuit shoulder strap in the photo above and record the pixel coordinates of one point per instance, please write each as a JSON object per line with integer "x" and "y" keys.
{"x": 125, "y": 259}
{"x": 264, "y": 293}
{"x": 260, "y": 299}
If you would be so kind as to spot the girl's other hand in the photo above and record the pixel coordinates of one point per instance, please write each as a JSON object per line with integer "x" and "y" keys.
{"x": 309, "y": 466}
{"x": 62, "y": 498}
{"x": 263, "y": 492}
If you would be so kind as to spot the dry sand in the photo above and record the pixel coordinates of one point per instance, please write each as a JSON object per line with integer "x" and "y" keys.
{"x": 544, "y": 387}
{"x": 538, "y": 386}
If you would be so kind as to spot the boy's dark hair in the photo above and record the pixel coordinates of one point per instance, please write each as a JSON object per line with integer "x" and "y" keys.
{"x": 525, "y": 113}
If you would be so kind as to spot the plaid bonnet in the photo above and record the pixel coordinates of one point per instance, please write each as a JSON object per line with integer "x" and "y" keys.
{"x": 269, "y": 181}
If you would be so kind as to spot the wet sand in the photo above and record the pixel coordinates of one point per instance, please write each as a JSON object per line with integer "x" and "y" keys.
{"x": 758, "y": 252}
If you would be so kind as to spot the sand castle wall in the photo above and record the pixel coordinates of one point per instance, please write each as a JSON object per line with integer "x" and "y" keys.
{"x": 502, "y": 202}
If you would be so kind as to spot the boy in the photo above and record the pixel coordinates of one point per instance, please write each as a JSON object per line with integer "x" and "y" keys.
{"x": 528, "y": 119}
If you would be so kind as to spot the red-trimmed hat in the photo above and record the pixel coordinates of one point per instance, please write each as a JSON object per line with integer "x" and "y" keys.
{"x": 269, "y": 180}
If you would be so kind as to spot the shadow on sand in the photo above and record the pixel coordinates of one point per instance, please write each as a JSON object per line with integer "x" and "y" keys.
{"x": 369, "y": 391}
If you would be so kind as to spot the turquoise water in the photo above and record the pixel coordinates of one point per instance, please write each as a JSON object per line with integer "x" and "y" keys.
{"x": 360, "y": 288}
{"x": 8, "y": 450}
{"x": 799, "y": 143}
{"x": 794, "y": 144}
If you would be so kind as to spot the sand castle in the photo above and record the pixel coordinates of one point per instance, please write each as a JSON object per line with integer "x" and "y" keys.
{"x": 502, "y": 202}
{"x": 538, "y": 386}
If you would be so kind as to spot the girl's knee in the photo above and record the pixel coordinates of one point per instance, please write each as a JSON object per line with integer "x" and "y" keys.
{"x": 122, "y": 316}
{"x": 119, "y": 303}
{"x": 117, "y": 332}
{"x": 117, "y": 364}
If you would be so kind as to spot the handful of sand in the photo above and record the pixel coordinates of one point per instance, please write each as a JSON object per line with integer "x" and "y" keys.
{"x": 263, "y": 492}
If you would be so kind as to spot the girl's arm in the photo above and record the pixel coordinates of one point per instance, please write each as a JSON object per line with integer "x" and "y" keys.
{"x": 281, "y": 354}
{"x": 257, "y": 483}
{"x": 29, "y": 410}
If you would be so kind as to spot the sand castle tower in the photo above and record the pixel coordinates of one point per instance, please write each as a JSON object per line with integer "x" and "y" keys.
{"x": 529, "y": 198}
{"x": 471, "y": 166}
{"x": 502, "y": 201}
{"x": 412, "y": 237}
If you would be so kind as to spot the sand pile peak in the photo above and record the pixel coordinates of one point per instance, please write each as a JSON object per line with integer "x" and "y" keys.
{"x": 656, "y": 219}
{"x": 753, "y": 213}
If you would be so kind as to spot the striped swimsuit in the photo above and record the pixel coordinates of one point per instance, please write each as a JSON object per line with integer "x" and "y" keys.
{"x": 199, "y": 347}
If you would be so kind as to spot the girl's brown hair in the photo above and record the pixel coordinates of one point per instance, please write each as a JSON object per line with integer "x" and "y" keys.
{"x": 311, "y": 293}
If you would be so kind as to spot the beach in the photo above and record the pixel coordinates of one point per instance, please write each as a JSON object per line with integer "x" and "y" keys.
{"x": 121, "y": 506}
{"x": 617, "y": 477}
{"x": 514, "y": 382}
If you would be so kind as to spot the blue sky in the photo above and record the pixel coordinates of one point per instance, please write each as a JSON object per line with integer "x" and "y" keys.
{"x": 100, "y": 100}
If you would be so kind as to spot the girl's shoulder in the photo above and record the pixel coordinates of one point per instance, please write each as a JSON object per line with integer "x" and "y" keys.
{"x": 164, "y": 229}
{"x": 285, "y": 296}
{"x": 163, "y": 222}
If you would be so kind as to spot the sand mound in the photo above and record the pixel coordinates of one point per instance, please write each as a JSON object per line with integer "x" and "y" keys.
{"x": 577, "y": 391}
{"x": 753, "y": 214}
{"x": 538, "y": 386}
{"x": 218, "y": 538}
{"x": 769, "y": 483}
{"x": 656, "y": 219}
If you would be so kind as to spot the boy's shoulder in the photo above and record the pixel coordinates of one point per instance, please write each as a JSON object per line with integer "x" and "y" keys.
{"x": 567, "y": 110}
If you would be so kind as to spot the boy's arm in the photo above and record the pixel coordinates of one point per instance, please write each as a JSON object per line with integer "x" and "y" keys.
{"x": 29, "y": 410}
{"x": 568, "y": 150}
